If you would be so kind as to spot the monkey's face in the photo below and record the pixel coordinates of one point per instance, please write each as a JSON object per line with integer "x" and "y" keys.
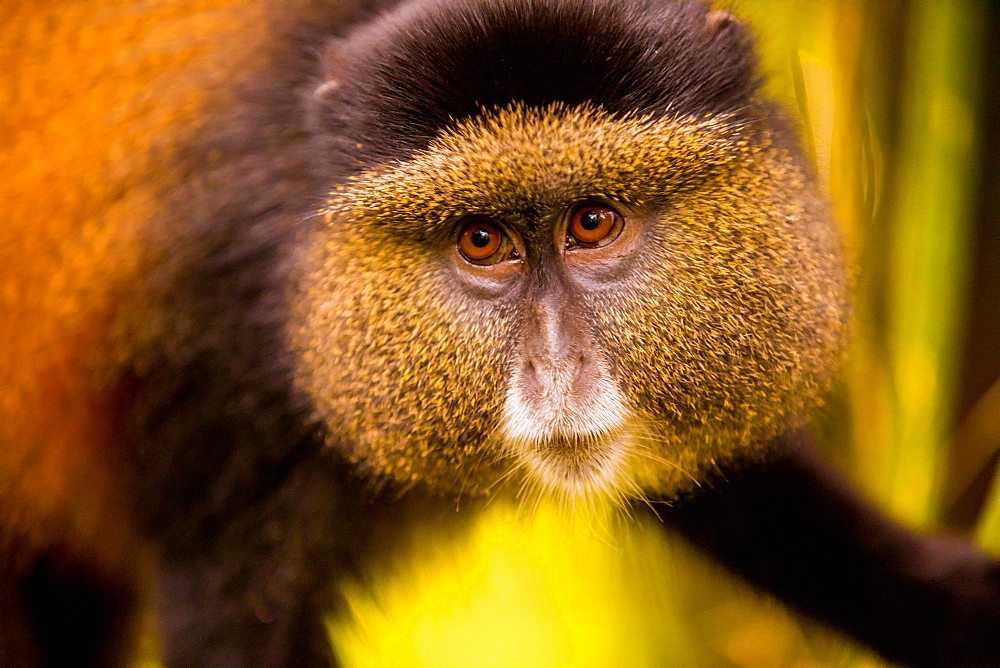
{"x": 599, "y": 303}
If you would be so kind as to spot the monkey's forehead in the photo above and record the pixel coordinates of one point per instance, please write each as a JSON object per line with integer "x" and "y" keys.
{"x": 526, "y": 160}
{"x": 398, "y": 82}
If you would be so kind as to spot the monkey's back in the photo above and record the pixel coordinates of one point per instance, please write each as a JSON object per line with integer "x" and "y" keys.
{"x": 98, "y": 103}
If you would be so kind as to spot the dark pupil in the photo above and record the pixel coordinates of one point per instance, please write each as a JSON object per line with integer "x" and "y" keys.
{"x": 480, "y": 237}
{"x": 590, "y": 220}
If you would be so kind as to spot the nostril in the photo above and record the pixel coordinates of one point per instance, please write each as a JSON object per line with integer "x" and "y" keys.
{"x": 563, "y": 372}
{"x": 581, "y": 366}
{"x": 529, "y": 368}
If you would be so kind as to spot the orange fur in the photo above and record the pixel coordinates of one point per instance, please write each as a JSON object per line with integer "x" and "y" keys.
{"x": 94, "y": 96}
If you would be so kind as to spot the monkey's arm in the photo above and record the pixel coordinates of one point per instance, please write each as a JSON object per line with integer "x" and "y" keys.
{"x": 796, "y": 529}
{"x": 251, "y": 588}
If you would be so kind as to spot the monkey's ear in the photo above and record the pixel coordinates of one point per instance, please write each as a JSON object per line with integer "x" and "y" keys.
{"x": 718, "y": 21}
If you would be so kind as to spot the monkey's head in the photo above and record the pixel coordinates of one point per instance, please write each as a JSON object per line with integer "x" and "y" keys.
{"x": 590, "y": 256}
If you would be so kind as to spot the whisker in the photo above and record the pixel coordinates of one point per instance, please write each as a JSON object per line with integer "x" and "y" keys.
{"x": 638, "y": 493}
{"x": 645, "y": 452}
{"x": 516, "y": 466}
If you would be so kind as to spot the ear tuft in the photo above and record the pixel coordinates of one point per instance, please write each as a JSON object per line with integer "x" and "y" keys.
{"x": 717, "y": 21}
{"x": 331, "y": 68}
{"x": 324, "y": 88}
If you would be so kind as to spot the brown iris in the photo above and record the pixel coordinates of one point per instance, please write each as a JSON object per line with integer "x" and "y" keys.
{"x": 482, "y": 242}
{"x": 594, "y": 225}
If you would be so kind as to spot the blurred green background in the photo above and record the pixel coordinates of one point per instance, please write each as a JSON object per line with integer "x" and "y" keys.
{"x": 899, "y": 104}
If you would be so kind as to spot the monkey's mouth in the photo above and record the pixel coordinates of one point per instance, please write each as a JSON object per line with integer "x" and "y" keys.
{"x": 574, "y": 463}
{"x": 572, "y": 437}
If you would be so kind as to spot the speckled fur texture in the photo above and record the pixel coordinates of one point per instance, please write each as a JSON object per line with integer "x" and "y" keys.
{"x": 382, "y": 333}
{"x": 237, "y": 362}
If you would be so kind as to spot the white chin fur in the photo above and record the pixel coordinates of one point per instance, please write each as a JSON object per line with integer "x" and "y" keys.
{"x": 572, "y": 442}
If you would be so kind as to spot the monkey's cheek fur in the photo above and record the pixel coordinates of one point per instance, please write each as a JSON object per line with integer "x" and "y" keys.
{"x": 408, "y": 375}
{"x": 722, "y": 357}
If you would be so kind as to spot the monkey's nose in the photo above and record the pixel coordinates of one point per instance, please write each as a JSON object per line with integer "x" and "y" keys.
{"x": 557, "y": 371}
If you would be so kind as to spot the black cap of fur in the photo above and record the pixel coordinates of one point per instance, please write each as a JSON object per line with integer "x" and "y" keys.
{"x": 394, "y": 84}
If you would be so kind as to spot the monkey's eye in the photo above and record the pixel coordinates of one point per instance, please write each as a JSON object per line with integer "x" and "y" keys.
{"x": 592, "y": 225}
{"x": 482, "y": 242}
